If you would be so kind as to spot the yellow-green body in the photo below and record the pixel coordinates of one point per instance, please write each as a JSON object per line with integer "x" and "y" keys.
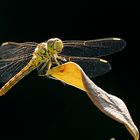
{"x": 45, "y": 52}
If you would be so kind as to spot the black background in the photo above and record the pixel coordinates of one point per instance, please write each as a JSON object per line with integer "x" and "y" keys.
{"x": 42, "y": 108}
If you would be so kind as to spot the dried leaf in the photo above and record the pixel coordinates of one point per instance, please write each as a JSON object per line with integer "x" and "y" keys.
{"x": 69, "y": 74}
{"x": 111, "y": 105}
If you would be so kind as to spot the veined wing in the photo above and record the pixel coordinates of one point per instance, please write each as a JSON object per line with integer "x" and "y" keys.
{"x": 92, "y": 48}
{"x": 93, "y": 67}
{"x": 13, "y": 49}
{"x": 13, "y": 57}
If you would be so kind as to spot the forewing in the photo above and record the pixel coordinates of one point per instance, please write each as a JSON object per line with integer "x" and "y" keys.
{"x": 92, "y": 48}
{"x": 13, "y": 49}
{"x": 13, "y": 57}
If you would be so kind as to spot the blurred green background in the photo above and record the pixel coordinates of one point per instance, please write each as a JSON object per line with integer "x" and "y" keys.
{"x": 45, "y": 109}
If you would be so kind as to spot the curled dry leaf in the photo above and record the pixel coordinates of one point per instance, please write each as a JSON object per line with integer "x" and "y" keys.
{"x": 111, "y": 105}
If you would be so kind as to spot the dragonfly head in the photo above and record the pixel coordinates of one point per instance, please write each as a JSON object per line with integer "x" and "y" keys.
{"x": 54, "y": 45}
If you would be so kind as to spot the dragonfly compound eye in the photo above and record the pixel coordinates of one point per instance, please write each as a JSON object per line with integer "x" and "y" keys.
{"x": 58, "y": 45}
{"x": 55, "y": 45}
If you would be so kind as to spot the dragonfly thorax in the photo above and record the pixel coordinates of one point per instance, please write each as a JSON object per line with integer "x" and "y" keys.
{"x": 41, "y": 51}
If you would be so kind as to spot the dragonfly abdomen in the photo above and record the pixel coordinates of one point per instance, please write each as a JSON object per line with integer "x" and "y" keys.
{"x": 26, "y": 70}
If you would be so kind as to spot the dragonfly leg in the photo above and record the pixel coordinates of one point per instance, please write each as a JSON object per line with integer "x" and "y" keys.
{"x": 41, "y": 71}
{"x": 51, "y": 77}
{"x": 56, "y": 61}
{"x": 61, "y": 58}
{"x": 55, "y": 79}
{"x": 49, "y": 65}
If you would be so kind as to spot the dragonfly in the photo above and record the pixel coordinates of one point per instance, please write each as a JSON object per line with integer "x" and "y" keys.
{"x": 19, "y": 59}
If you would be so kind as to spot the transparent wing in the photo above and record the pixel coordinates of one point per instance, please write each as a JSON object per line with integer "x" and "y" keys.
{"x": 13, "y": 57}
{"x": 93, "y": 67}
{"x": 13, "y": 49}
{"x": 10, "y": 67}
{"x": 92, "y": 48}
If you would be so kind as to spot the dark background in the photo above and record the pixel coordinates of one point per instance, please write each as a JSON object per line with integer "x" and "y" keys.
{"x": 42, "y": 108}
